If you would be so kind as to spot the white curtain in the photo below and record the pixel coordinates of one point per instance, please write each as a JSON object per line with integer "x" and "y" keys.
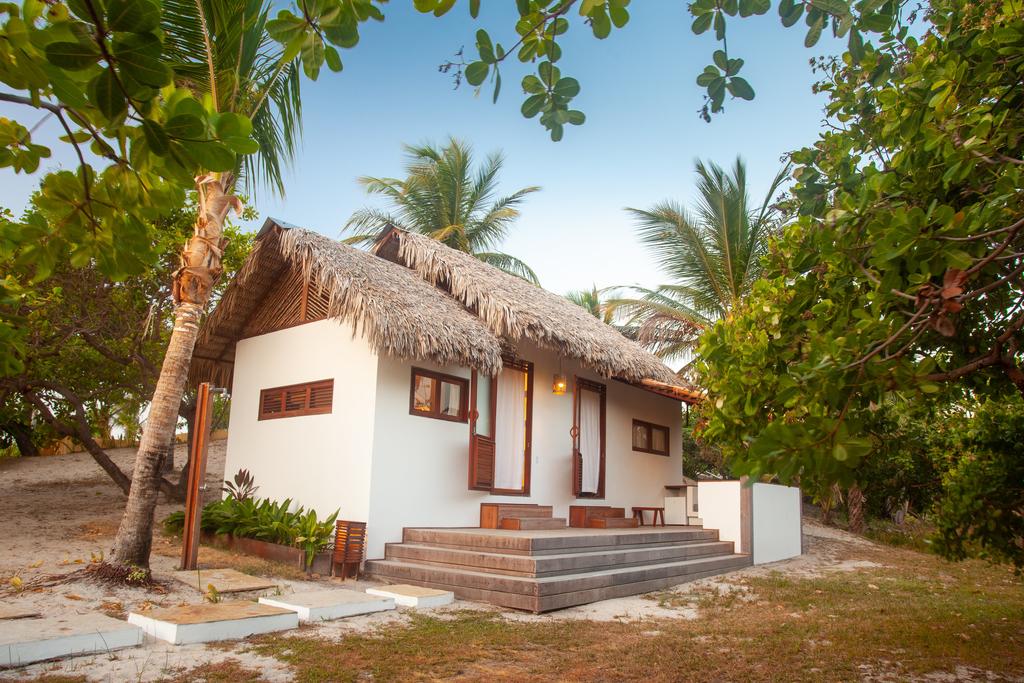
{"x": 590, "y": 439}
{"x": 510, "y": 431}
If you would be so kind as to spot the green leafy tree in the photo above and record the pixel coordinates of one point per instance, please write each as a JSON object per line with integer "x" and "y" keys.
{"x": 446, "y": 198}
{"x": 712, "y": 254}
{"x": 903, "y": 273}
{"x": 93, "y": 354}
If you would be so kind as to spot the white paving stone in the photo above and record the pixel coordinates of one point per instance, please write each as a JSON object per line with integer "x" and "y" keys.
{"x": 23, "y": 641}
{"x": 330, "y": 604}
{"x": 220, "y": 621}
{"x": 414, "y": 596}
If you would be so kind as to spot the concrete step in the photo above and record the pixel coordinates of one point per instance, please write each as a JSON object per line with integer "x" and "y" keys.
{"x": 550, "y": 565}
{"x": 554, "y": 592}
{"x": 548, "y": 542}
{"x": 532, "y": 523}
{"x": 24, "y": 641}
{"x": 612, "y": 523}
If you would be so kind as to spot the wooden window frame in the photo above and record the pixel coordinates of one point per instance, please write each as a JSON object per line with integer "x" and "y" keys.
{"x": 583, "y": 384}
{"x": 482, "y": 447}
{"x": 299, "y": 412}
{"x": 650, "y": 427}
{"x": 435, "y": 397}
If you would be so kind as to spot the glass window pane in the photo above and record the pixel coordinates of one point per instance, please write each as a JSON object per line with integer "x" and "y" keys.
{"x": 451, "y": 399}
{"x": 640, "y": 439}
{"x": 483, "y": 405}
{"x": 423, "y": 394}
{"x": 659, "y": 440}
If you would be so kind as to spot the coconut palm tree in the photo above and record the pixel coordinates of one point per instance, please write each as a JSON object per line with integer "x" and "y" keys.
{"x": 712, "y": 254}
{"x": 218, "y": 49}
{"x": 592, "y": 300}
{"x": 444, "y": 197}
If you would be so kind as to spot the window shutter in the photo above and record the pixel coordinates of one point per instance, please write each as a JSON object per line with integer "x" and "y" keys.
{"x": 271, "y": 403}
{"x": 481, "y": 447}
{"x": 321, "y": 395}
{"x": 311, "y": 398}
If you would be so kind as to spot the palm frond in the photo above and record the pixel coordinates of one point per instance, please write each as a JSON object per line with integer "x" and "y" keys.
{"x": 509, "y": 264}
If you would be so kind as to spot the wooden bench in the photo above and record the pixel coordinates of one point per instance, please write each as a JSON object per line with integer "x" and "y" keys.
{"x": 638, "y": 514}
{"x": 492, "y": 514}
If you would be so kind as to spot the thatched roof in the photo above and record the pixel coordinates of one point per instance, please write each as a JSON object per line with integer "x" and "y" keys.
{"x": 414, "y": 298}
{"x": 515, "y": 309}
{"x": 400, "y": 314}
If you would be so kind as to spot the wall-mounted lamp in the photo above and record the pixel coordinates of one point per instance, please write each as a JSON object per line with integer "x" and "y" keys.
{"x": 559, "y": 385}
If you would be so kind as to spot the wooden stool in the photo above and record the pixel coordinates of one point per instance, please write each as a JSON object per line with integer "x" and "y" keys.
{"x": 638, "y": 514}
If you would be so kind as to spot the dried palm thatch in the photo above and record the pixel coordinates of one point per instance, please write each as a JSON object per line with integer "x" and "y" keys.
{"x": 398, "y": 313}
{"x": 516, "y": 310}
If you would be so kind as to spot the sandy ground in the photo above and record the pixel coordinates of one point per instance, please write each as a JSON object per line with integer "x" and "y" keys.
{"x": 61, "y": 512}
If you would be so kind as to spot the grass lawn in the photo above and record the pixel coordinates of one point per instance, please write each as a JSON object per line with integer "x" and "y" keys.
{"x": 916, "y": 614}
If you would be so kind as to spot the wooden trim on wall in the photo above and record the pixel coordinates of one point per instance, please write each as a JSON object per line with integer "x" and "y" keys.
{"x": 650, "y": 437}
{"x": 746, "y": 517}
{"x": 435, "y": 398}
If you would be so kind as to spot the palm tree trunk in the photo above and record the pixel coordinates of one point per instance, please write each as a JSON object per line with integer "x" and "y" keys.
{"x": 193, "y": 282}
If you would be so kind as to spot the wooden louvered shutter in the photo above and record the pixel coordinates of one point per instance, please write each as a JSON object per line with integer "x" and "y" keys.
{"x": 310, "y": 398}
{"x": 321, "y": 396}
{"x": 481, "y": 445}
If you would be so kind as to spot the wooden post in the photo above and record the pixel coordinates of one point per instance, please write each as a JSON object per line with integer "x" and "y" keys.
{"x": 196, "y": 476}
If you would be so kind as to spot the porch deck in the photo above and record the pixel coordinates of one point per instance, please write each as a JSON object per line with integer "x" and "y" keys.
{"x": 546, "y": 569}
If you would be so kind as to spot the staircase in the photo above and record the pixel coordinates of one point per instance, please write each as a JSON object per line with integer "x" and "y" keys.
{"x": 542, "y": 570}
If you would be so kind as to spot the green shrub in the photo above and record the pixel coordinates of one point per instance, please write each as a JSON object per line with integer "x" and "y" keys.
{"x": 263, "y": 520}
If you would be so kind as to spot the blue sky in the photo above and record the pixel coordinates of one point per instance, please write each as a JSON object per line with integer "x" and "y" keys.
{"x": 637, "y": 147}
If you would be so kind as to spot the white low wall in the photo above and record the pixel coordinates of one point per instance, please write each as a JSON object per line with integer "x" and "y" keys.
{"x": 772, "y": 521}
{"x": 776, "y": 522}
{"x": 718, "y": 506}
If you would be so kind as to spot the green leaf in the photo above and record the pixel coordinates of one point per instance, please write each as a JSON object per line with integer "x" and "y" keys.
{"x": 485, "y": 47}
{"x": 106, "y": 95}
{"x": 721, "y": 60}
{"x": 312, "y": 56}
{"x": 72, "y": 56}
{"x": 567, "y": 87}
{"x": 133, "y": 16}
{"x": 532, "y": 105}
{"x": 719, "y": 26}
{"x": 155, "y": 137}
{"x": 229, "y": 124}
{"x": 600, "y": 24}
{"x": 814, "y": 32}
{"x": 740, "y": 88}
{"x": 476, "y": 73}
{"x": 532, "y": 84}
{"x": 211, "y": 156}
{"x": 474, "y": 8}
{"x": 185, "y": 127}
{"x": 241, "y": 145}
{"x": 138, "y": 56}
{"x": 619, "y": 15}
{"x": 575, "y": 117}
{"x": 838, "y": 8}
{"x": 702, "y": 23}
{"x": 332, "y": 58}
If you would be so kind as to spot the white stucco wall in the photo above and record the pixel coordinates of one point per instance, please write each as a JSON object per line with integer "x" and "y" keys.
{"x": 718, "y": 505}
{"x": 420, "y": 464}
{"x": 776, "y": 522}
{"x": 774, "y": 517}
{"x": 319, "y": 461}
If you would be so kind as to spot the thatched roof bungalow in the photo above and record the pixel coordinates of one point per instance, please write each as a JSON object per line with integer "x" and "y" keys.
{"x": 410, "y": 384}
